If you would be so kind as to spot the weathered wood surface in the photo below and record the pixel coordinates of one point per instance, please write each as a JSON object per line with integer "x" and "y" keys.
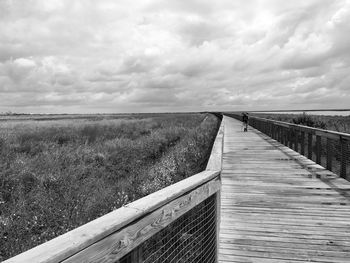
{"x": 278, "y": 206}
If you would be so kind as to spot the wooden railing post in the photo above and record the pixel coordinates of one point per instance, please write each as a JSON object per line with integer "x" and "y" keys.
{"x": 136, "y": 255}
{"x": 264, "y": 124}
{"x": 271, "y": 130}
{"x": 290, "y": 138}
{"x": 329, "y": 154}
{"x": 296, "y": 139}
{"x": 318, "y": 149}
{"x": 282, "y": 135}
{"x": 343, "y": 151}
{"x": 302, "y": 143}
{"x": 309, "y": 146}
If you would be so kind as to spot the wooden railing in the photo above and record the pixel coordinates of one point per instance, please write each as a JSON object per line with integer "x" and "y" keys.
{"x": 327, "y": 148}
{"x": 176, "y": 224}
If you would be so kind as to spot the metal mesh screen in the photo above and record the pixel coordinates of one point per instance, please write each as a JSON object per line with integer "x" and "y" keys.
{"x": 340, "y": 157}
{"x": 346, "y": 158}
{"x": 190, "y": 238}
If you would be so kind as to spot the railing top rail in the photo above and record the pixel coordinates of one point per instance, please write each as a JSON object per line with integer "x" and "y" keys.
{"x": 215, "y": 159}
{"x": 326, "y": 133}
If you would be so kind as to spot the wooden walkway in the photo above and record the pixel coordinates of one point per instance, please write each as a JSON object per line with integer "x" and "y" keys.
{"x": 278, "y": 206}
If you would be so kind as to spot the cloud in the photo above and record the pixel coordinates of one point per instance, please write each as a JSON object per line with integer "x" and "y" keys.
{"x": 152, "y": 55}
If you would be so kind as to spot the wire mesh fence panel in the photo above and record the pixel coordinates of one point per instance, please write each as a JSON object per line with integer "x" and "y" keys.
{"x": 296, "y": 140}
{"x": 347, "y": 159}
{"x": 334, "y": 152}
{"x": 191, "y": 238}
{"x": 300, "y": 141}
{"x": 344, "y": 158}
{"x": 323, "y": 151}
{"x": 313, "y": 148}
{"x": 328, "y": 148}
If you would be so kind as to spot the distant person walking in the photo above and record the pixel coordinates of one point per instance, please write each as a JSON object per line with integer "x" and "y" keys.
{"x": 245, "y": 119}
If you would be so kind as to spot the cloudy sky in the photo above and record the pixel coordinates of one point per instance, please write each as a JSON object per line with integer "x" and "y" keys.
{"x": 79, "y": 56}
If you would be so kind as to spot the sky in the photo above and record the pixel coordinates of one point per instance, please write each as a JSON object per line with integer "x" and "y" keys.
{"x": 106, "y": 56}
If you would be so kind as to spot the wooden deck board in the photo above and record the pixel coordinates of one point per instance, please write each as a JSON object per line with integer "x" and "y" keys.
{"x": 279, "y": 206}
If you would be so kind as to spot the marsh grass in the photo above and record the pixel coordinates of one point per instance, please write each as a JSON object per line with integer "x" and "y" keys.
{"x": 56, "y": 175}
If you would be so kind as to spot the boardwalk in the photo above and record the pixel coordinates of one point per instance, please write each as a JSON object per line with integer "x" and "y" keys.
{"x": 278, "y": 206}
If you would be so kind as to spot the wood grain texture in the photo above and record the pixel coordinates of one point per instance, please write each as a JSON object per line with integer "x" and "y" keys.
{"x": 277, "y": 205}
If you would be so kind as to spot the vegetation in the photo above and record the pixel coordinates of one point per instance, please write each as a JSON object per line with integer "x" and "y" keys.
{"x": 334, "y": 123}
{"x": 56, "y": 175}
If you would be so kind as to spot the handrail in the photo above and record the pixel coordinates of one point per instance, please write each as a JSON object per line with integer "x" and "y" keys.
{"x": 215, "y": 159}
{"x": 316, "y": 131}
{"x": 328, "y": 148}
{"x": 114, "y": 235}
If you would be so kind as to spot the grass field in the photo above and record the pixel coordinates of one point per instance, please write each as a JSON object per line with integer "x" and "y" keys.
{"x": 327, "y": 122}
{"x": 59, "y": 172}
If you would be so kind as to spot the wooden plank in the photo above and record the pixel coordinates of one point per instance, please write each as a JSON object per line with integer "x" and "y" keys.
{"x": 280, "y": 217}
{"x": 340, "y": 225}
{"x": 234, "y": 258}
{"x": 287, "y": 254}
{"x": 289, "y": 248}
{"x": 273, "y": 235}
{"x": 323, "y": 242}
